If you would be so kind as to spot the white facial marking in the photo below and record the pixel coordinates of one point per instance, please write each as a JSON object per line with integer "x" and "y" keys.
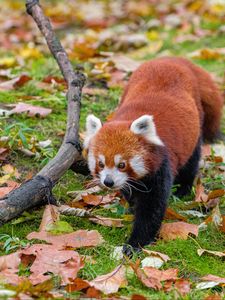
{"x": 117, "y": 159}
{"x": 91, "y": 161}
{"x": 93, "y": 125}
{"x": 119, "y": 178}
{"x": 102, "y": 158}
{"x": 138, "y": 165}
{"x": 145, "y": 126}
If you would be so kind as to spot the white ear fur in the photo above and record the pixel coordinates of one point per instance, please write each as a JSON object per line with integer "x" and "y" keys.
{"x": 145, "y": 126}
{"x": 93, "y": 124}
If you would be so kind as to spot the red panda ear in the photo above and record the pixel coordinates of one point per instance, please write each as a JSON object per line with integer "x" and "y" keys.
{"x": 145, "y": 126}
{"x": 93, "y": 124}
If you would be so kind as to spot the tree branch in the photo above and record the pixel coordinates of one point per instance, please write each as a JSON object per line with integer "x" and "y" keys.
{"x": 38, "y": 190}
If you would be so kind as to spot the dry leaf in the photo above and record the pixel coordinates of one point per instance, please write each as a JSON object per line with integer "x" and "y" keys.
{"x": 152, "y": 277}
{"x": 172, "y": 215}
{"x": 216, "y": 217}
{"x": 183, "y": 286}
{"x": 171, "y": 231}
{"x": 65, "y": 263}
{"x": 3, "y": 153}
{"x": 50, "y": 215}
{"x": 217, "y": 253}
{"x": 200, "y": 195}
{"x": 110, "y": 222}
{"x": 77, "y": 284}
{"x": 210, "y": 281}
{"x": 11, "y": 185}
{"x": 124, "y": 63}
{"x": 216, "y": 193}
{"x": 10, "y": 261}
{"x": 77, "y": 239}
{"x": 31, "y": 110}
{"x": 14, "y": 83}
{"x": 163, "y": 256}
{"x": 111, "y": 282}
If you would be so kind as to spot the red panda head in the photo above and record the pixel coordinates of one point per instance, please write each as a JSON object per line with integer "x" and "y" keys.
{"x": 120, "y": 151}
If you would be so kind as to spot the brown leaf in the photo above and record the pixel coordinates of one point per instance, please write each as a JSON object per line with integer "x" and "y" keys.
{"x": 77, "y": 284}
{"x": 215, "y": 217}
{"x": 10, "y": 261}
{"x": 92, "y": 293}
{"x": 213, "y": 297}
{"x": 214, "y": 278}
{"x": 31, "y": 110}
{"x": 183, "y": 286}
{"x": 124, "y": 63}
{"x": 3, "y": 153}
{"x": 216, "y": 193}
{"x": 77, "y": 239}
{"x": 65, "y": 263}
{"x": 11, "y": 185}
{"x": 200, "y": 195}
{"x": 152, "y": 277}
{"x": 50, "y": 215}
{"x": 171, "y": 231}
{"x": 138, "y": 297}
{"x": 163, "y": 256}
{"x": 14, "y": 83}
{"x": 216, "y": 253}
{"x": 111, "y": 282}
{"x": 172, "y": 215}
{"x": 110, "y": 222}
{"x": 95, "y": 200}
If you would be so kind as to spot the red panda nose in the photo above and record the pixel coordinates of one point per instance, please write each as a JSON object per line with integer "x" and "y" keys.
{"x": 108, "y": 181}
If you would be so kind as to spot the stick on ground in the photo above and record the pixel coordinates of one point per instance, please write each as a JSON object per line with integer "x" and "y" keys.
{"x": 38, "y": 190}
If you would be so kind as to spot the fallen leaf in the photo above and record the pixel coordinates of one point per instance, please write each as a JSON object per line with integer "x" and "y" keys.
{"x": 138, "y": 297}
{"x": 12, "y": 171}
{"x": 183, "y": 286}
{"x": 111, "y": 282}
{"x": 215, "y": 217}
{"x": 163, "y": 256}
{"x": 76, "y": 239}
{"x": 3, "y": 153}
{"x": 11, "y": 185}
{"x": 171, "y": 231}
{"x": 216, "y": 193}
{"x": 210, "y": 281}
{"x": 97, "y": 199}
{"x": 193, "y": 213}
{"x": 77, "y": 284}
{"x": 65, "y": 263}
{"x": 14, "y": 83}
{"x": 217, "y": 253}
{"x": 110, "y": 222}
{"x": 124, "y": 63}
{"x": 31, "y": 110}
{"x": 50, "y": 215}
{"x": 200, "y": 195}
{"x": 152, "y": 261}
{"x": 172, "y": 215}
{"x": 10, "y": 261}
{"x": 213, "y": 297}
{"x": 152, "y": 277}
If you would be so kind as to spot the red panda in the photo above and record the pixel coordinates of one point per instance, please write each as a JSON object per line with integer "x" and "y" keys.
{"x": 154, "y": 139}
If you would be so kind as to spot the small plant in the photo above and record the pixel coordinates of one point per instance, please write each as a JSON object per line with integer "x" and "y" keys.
{"x": 12, "y": 242}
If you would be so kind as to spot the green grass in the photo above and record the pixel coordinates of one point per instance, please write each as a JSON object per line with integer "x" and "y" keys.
{"x": 183, "y": 253}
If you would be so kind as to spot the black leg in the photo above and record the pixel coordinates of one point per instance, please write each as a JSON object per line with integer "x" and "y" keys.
{"x": 188, "y": 172}
{"x": 150, "y": 208}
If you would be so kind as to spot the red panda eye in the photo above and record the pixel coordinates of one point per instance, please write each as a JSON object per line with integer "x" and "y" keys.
{"x": 100, "y": 164}
{"x": 121, "y": 165}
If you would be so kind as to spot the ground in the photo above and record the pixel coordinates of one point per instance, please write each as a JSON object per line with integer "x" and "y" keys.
{"x": 29, "y": 55}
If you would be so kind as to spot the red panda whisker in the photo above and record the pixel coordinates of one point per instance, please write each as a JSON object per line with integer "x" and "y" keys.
{"x": 144, "y": 191}
{"x": 137, "y": 182}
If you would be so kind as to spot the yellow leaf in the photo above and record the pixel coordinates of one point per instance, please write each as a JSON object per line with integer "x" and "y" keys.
{"x": 28, "y": 52}
{"x": 7, "y": 62}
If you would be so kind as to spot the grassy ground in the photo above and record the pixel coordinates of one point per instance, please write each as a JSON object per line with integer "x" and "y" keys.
{"x": 182, "y": 253}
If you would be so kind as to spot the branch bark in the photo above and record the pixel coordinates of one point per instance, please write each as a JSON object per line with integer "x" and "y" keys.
{"x": 38, "y": 190}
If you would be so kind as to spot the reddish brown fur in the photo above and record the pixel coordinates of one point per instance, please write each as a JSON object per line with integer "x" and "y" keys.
{"x": 185, "y": 104}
